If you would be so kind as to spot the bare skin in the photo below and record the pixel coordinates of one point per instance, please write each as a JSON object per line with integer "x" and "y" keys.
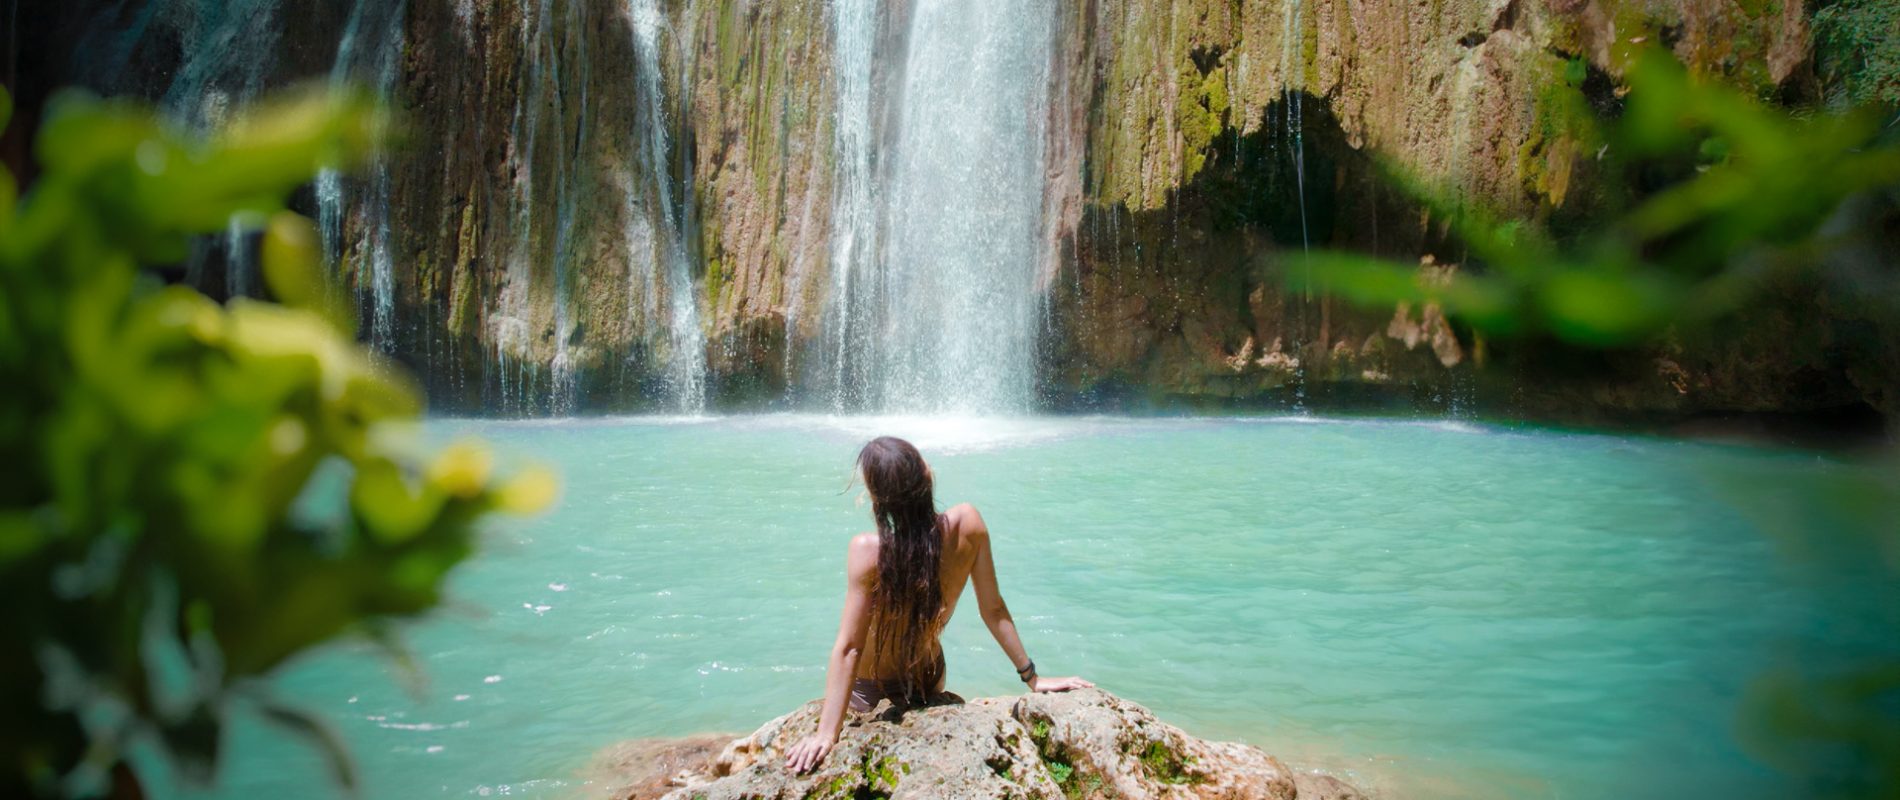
{"x": 966, "y": 558}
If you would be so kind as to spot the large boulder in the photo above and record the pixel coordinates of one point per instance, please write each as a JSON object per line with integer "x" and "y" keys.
{"x": 1083, "y": 744}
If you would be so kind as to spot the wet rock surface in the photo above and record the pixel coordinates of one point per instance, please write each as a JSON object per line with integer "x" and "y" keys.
{"x": 1083, "y": 744}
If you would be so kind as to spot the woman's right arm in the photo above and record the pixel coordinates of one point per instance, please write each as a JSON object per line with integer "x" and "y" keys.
{"x": 853, "y": 626}
{"x": 989, "y": 599}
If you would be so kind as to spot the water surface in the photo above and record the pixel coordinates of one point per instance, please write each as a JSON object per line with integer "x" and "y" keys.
{"x": 1431, "y": 609}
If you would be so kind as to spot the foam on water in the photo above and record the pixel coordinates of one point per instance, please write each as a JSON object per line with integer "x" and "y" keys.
{"x": 1429, "y": 611}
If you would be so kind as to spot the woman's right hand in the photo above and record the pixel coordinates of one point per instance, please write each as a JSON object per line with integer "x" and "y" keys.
{"x": 1043, "y": 684}
{"x": 809, "y": 753}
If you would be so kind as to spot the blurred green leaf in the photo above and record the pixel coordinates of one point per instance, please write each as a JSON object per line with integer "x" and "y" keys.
{"x": 19, "y": 537}
{"x": 1756, "y": 184}
{"x": 293, "y": 265}
{"x": 394, "y": 508}
{"x": 1604, "y": 309}
{"x": 160, "y": 439}
{"x": 9, "y": 194}
{"x": 319, "y": 735}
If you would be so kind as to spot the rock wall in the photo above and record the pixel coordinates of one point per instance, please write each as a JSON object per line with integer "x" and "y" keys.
{"x": 762, "y": 137}
{"x": 580, "y": 224}
{"x": 540, "y": 244}
{"x": 1217, "y": 138}
{"x": 530, "y": 252}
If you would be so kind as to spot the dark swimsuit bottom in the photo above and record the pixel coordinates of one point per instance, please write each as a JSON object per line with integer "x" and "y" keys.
{"x": 867, "y": 692}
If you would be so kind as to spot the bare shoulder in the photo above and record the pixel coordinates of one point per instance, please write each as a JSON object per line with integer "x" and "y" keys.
{"x": 966, "y": 521}
{"x": 861, "y": 557}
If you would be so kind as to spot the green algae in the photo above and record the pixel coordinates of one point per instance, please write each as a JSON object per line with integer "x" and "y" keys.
{"x": 1201, "y": 114}
{"x": 1167, "y": 766}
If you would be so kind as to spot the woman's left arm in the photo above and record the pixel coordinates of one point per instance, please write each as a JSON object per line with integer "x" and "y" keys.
{"x": 860, "y": 573}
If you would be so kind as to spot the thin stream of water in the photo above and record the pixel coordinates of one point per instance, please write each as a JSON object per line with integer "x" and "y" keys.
{"x": 669, "y": 270}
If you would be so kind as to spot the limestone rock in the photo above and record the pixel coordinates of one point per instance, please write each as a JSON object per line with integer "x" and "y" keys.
{"x": 653, "y": 767}
{"x": 1084, "y": 744}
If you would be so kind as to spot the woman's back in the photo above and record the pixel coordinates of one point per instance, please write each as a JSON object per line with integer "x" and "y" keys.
{"x": 901, "y": 586}
{"x": 961, "y": 526}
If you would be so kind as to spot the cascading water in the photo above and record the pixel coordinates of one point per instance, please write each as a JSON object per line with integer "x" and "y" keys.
{"x": 562, "y": 394}
{"x": 237, "y": 257}
{"x": 940, "y": 302}
{"x": 854, "y": 211}
{"x": 656, "y": 227}
{"x": 510, "y": 322}
{"x": 540, "y": 104}
{"x": 369, "y": 55}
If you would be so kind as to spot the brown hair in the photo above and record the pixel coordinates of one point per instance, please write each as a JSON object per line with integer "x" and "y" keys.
{"x": 908, "y": 595}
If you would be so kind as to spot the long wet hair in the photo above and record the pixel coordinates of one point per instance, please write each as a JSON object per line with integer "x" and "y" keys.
{"x": 908, "y": 595}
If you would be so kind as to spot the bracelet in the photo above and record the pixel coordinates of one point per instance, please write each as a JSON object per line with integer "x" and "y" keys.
{"x": 1027, "y": 672}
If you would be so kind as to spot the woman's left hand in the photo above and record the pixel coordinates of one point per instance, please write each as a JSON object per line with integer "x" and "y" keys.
{"x": 809, "y": 753}
{"x": 1059, "y": 684}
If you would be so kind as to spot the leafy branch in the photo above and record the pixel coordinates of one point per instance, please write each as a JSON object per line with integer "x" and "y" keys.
{"x": 196, "y": 492}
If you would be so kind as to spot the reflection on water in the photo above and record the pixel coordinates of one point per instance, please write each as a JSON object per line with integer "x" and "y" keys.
{"x": 1432, "y": 609}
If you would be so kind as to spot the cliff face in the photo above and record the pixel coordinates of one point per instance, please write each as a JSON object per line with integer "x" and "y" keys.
{"x": 604, "y": 204}
{"x": 762, "y": 117}
{"x": 625, "y": 206}
{"x": 538, "y": 208}
{"x": 1192, "y": 146}
{"x": 1217, "y": 138}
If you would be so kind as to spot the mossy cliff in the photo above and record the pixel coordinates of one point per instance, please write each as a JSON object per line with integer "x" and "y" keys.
{"x": 1209, "y": 141}
{"x": 545, "y": 212}
{"x": 762, "y": 142}
{"x": 595, "y": 199}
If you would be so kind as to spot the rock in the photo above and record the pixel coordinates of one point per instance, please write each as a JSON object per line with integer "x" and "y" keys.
{"x": 653, "y": 767}
{"x": 1320, "y": 786}
{"x": 1083, "y": 744}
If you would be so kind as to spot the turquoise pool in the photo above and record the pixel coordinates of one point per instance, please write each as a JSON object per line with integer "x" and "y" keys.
{"x": 1430, "y": 609}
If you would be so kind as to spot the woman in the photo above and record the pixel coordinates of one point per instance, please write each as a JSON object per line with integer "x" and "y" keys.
{"x": 903, "y": 582}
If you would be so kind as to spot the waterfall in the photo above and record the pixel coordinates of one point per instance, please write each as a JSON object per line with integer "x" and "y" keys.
{"x": 848, "y": 323}
{"x": 369, "y": 55}
{"x": 563, "y": 392}
{"x": 509, "y": 325}
{"x": 541, "y": 121}
{"x": 657, "y": 229}
{"x": 935, "y": 270}
{"x": 237, "y": 257}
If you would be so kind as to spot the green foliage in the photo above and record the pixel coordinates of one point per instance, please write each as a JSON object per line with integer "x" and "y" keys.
{"x": 1166, "y": 766}
{"x": 1200, "y": 114}
{"x": 1062, "y": 773}
{"x": 1857, "y": 51}
{"x": 1731, "y": 193}
{"x": 1751, "y": 186}
{"x": 195, "y": 493}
